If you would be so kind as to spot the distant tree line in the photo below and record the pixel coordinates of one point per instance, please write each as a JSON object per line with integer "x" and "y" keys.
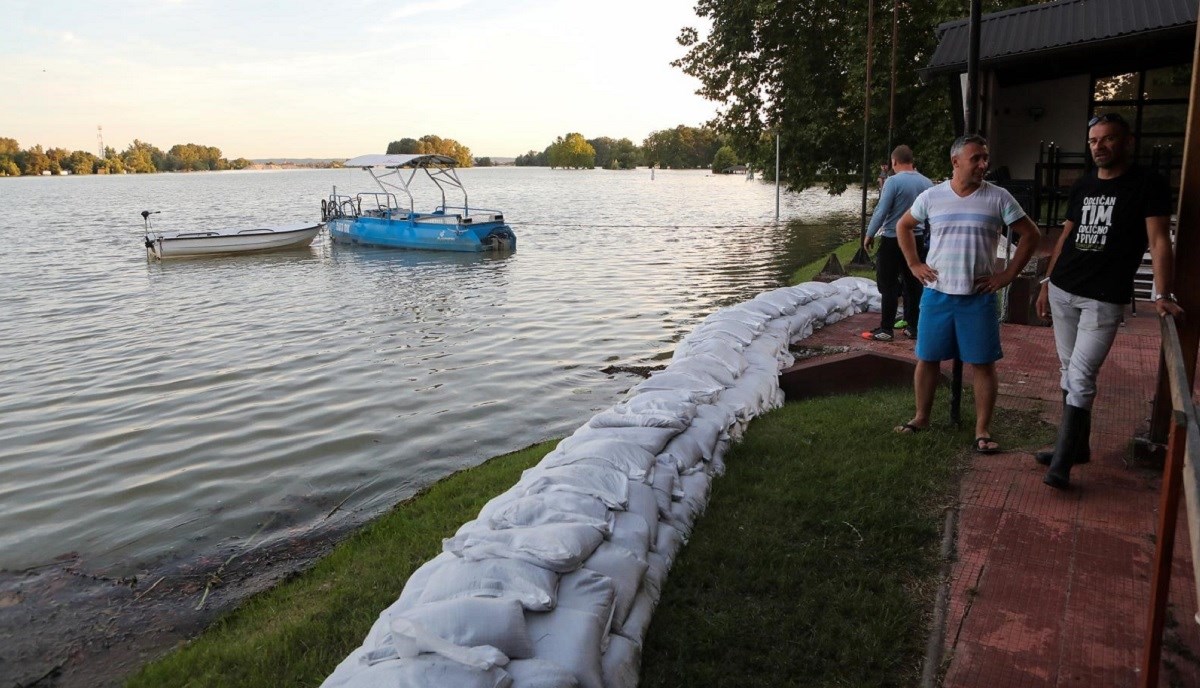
{"x": 683, "y": 147}
{"x": 139, "y": 157}
{"x": 433, "y": 145}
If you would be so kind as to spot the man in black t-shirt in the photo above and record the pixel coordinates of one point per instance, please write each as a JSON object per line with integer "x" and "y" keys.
{"x": 1113, "y": 215}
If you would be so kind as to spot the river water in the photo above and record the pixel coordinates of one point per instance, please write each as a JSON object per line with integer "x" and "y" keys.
{"x": 151, "y": 411}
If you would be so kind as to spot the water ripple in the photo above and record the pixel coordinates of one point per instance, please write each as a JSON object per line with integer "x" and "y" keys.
{"x": 150, "y": 410}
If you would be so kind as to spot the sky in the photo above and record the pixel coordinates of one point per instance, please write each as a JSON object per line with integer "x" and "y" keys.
{"x": 326, "y": 79}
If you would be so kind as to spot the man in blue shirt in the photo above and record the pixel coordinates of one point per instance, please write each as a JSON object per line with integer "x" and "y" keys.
{"x": 899, "y": 192}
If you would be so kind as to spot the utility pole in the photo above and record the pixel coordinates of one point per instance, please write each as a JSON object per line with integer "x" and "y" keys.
{"x": 777, "y": 175}
{"x": 861, "y": 259}
{"x": 100, "y": 141}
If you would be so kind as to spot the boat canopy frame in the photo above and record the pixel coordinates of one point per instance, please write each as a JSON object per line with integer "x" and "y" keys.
{"x": 440, "y": 169}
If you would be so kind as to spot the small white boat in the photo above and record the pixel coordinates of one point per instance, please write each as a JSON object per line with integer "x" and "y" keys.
{"x": 162, "y": 245}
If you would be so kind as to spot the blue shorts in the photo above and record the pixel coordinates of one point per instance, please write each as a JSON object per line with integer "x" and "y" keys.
{"x": 965, "y": 327}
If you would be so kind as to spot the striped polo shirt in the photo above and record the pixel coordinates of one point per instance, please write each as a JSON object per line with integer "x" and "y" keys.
{"x": 964, "y": 232}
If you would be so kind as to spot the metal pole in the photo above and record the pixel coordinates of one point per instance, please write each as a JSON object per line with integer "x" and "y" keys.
{"x": 777, "y": 176}
{"x": 1164, "y": 552}
{"x": 972, "y": 127}
{"x": 892, "y": 95}
{"x": 860, "y": 256}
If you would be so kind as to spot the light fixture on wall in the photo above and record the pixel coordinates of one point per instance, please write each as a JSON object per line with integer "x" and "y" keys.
{"x": 1036, "y": 112}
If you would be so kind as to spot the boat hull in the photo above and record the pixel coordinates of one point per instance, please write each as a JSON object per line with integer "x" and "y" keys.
{"x": 432, "y": 232}
{"x": 162, "y": 245}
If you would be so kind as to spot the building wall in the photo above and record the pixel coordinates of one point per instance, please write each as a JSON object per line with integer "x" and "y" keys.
{"x": 1015, "y": 135}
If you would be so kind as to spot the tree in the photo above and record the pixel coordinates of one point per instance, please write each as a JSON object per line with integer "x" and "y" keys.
{"x": 683, "y": 147}
{"x": 799, "y": 67}
{"x": 403, "y": 147}
{"x": 140, "y": 157}
{"x": 484, "y": 162}
{"x": 572, "y": 151}
{"x": 534, "y": 159}
{"x": 725, "y": 157}
{"x": 34, "y": 161}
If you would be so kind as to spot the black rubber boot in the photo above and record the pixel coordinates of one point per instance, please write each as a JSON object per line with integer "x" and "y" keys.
{"x": 1084, "y": 454}
{"x": 1070, "y": 442}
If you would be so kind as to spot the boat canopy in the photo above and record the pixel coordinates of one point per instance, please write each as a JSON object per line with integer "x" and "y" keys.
{"x": 397, "y": 160}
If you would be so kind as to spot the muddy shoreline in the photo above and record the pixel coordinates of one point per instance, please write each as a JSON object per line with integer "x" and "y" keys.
{"x": 65, "y": 626}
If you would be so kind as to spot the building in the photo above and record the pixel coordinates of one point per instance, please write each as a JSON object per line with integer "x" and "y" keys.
{"x": 1046, "y": 69}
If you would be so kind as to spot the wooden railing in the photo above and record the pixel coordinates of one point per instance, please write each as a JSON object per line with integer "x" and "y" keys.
{"x": 1182, "y": 466}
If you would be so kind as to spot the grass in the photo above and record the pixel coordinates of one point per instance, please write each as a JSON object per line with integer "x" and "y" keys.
{"x": 296, "y": 633}
{"x": 815, "y": 564}
{"x": 845, "y": 253}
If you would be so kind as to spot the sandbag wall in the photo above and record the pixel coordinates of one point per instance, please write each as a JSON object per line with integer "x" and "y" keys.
{"x": 554, "y": 584}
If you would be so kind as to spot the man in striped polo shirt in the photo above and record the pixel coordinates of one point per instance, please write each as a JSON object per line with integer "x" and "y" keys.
{"x": 958, "y": 309}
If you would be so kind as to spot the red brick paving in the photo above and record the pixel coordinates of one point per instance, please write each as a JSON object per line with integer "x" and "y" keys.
{"x": 1052, "y": 588}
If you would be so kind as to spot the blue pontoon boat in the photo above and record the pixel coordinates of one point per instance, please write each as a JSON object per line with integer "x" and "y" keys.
{"x": 378, "y": 219}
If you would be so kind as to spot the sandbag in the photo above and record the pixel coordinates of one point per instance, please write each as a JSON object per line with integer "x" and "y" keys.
{"x": 626, "y": 572}
{"x": 423, "y": 671}
{"x": 533, "y": 586}
{"x": 559, "y": 547}
{"x": 642, "y": 503}
{"x": 553, "y": 507}
{"x": 630, "y": 459}
{"x": 588, "y": 591}
{"x": 538, "y": 673}
{"x": 570, "y": 639}
{"x": 650, "y": 439}
{"x": 471, "y": 621}
{"x": 631, "y": 532}
{"x": 620, "y": 663}
{"x": 606, "y": 484}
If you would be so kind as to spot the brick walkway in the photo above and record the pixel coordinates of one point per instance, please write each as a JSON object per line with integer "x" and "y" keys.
{"x": 1052, "y": 588}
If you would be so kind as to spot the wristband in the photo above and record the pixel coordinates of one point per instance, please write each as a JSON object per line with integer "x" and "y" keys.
{"x": 1044, "y": 280}
{"x": 1165, "y": 297}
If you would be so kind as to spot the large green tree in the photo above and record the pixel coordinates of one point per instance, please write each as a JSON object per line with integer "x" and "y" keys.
{"x": 798, "y": 67}
{"x": 433, "y": 145}
{"x": 572, "y": 151}
{"x": 683, "y": 147}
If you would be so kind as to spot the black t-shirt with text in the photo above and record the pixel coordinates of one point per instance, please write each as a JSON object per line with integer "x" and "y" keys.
{"x": 1100, "y": 258}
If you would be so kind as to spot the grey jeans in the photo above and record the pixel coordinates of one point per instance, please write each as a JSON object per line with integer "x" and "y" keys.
{"x": 1084, "y": 330}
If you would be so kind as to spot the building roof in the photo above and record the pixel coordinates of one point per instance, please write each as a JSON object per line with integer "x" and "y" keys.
{"x": 1029, "y": 32}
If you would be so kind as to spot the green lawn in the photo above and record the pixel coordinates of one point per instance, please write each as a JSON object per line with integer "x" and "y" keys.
{"x": 845, "y": 253}
{"x": 815, "y": 564}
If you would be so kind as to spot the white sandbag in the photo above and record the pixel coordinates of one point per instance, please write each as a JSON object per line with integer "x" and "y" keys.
{"x": 702, "y": 366}
{"x": 630, "y": 459}
{"x": 409, "y": 639}
{"x": 695, "y": 492}
{"x": 552, "y": 507}
{"x": 538, "y": 673}
{"x": 701, "y": 391}
{"x": 642, "y": 503}
{"x": 748, "y": 317}
{"x": 766, "y": 308}
{"x": 664, "y": 489}
{"x": 656, "y": 575}
{"x": 614, "y": 418}
{"x": 650, "y": 439}
{"x": 533, "y": 586}
{"x": 423, "y": 671}
{"x": 640, "y": 615}
{"x": 665, "y": 402}
{"x": 729, "y": 354}
{"x": 787, "y": 300}
{"x": 621, "y": 663}
{"x": 416, "y": 583}
{"x": 683, "y": 452}
{"x": 626, "y": 572}
{"x": 669, "y": 542}
{"x": 588, "y": 591}
{"x": 815, "y": 290}
{"x": 570, "y": 639}
{"x": 606, "y": 484}
{"x": 631, "y": 532}
{"x": 726, "y": 330}
{"x": 721, "y": 418}
{"x": 559, "y": 547}
{"x": 471, "y": 621}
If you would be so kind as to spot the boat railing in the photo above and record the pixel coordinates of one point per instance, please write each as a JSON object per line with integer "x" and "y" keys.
{"x": 338, "y": 206}
{"x": 384, "y": 204}
{"x": 468, "y": 212}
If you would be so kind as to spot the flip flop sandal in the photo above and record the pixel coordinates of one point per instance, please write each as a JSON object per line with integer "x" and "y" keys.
{"x": 980, "y": 445}
{"x": 907, "y": 429}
